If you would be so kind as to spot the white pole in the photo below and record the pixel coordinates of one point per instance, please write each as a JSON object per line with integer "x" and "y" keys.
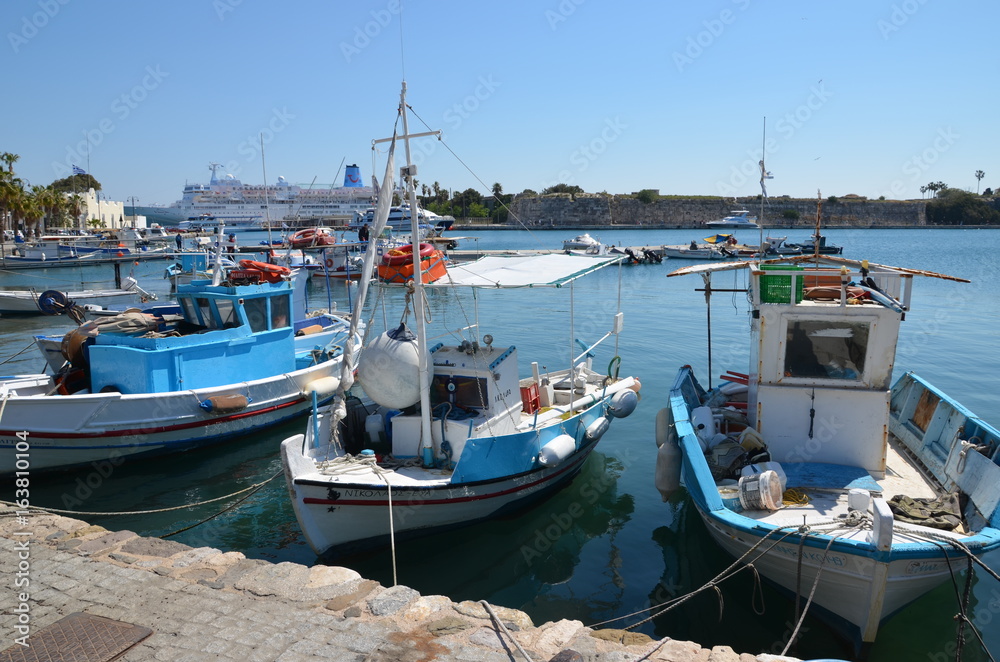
{"x": 426, "y": 441}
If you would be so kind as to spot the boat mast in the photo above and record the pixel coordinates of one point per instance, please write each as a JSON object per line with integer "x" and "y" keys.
{"x": 267, "y": 215}
{"x": 819, "y": 208}
{"x": 763, "y": 190}
{"x": 408, "y": 172}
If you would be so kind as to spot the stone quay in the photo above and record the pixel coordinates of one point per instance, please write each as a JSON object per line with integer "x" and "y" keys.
{"x": 205, "y": 604}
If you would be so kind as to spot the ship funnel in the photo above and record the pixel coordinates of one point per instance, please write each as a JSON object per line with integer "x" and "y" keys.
{"x": 352, "y": 177}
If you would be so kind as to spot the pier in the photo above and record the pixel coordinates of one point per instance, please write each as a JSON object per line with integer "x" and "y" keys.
{"x": 183, "y": 603}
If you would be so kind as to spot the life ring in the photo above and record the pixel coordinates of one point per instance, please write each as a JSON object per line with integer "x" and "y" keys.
{"x": 400, "y": 256}
{"x": 329, "y": 263}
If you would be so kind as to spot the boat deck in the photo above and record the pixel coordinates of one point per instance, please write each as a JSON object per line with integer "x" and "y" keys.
{"x": 828, "y": 502}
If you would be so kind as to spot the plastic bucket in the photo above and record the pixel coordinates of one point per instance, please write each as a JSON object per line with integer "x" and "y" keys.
{"x": 729, "y": 490}
{"x": 761, "y": 491}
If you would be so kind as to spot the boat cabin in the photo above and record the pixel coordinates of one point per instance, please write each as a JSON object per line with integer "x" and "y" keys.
{"x": 822, "y": 354}
{"x": 227, "y": 334}
{"x": 471, "y": 385}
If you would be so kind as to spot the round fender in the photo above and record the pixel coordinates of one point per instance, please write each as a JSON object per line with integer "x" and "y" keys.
{"x": 623, "y": 403}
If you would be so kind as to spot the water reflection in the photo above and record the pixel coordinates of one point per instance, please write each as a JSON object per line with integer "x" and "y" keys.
{"x": 742, "y": 612}
{"x": 543, "y": 560}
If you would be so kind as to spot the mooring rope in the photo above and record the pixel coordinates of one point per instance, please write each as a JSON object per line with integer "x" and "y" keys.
{"x": 722, "y": 576}
{"x": 14, "y": 356}
{"x": 504, "y": 629}
{"x": 59, "y": 511}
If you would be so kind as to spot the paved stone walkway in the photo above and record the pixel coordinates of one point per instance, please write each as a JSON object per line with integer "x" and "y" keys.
{"x": 203, "y": 604}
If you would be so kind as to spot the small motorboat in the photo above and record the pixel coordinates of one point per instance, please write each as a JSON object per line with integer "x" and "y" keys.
{"x": 581, "y": 242}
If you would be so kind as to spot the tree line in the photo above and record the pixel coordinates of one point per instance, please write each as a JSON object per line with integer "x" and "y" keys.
{"x": 29, "y": 207}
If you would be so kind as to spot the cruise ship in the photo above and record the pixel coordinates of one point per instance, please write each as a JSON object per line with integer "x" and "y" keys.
{"x": 249, "y": 207}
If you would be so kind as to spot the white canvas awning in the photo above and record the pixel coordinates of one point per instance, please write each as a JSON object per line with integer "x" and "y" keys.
{"x": 553, "y": 270}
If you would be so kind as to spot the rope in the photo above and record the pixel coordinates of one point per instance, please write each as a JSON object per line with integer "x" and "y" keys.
{"x": 14, "y": 356}
{"x": 794, "y": 497}
{"x": 226, "y": 509}
{"x": 722, "y": 576}
{"x": 146, "y": 512}
{"x": 503, "y": 628}
{"x": 963, "y": 603}
{"x": 812, "y": 593}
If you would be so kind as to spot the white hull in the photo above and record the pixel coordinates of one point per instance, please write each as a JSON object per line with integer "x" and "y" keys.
{"x": 682, "y": 253}
{"x": 26, "y": 302}
{"x": 357, "y": 515}
{"x": 71, "y": 430}
{"x": 848, "y": 583}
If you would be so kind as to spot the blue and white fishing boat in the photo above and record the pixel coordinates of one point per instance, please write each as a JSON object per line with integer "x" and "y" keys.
{"x": 812, "y": 469}
{"x": 445, "y": 435}
{"x": 226, "y": 366}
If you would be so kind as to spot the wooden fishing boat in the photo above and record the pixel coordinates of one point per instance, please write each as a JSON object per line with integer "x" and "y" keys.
{"x": 447, "y": 435}
{"x": 836, "y": 470}
{"x": 226, "y": 366}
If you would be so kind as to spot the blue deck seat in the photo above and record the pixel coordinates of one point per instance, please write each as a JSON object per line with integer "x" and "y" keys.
{"x": 820, "y": 476}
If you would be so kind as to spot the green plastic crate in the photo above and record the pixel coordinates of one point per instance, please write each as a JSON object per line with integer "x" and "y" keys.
{"x": 778, "y": 289}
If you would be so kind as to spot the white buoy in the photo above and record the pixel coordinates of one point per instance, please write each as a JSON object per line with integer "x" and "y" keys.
{"x": 556, "y": 450}
{"x": 388, "y": 369}
{"x": 667, "y": 477}
{"x": 597, "y": 429}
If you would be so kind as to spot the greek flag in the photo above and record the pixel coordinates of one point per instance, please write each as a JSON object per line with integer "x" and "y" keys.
{"x": 77, "y": 170}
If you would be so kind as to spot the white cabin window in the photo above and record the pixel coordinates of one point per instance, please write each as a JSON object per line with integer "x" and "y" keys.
{"x": 826, "y": 349}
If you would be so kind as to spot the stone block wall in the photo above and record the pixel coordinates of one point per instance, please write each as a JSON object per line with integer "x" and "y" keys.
{"x": 589, "y": 210}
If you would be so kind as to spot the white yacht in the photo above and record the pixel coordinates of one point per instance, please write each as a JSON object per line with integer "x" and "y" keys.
{"x": 399, "y": 219}
{"x": 738, "y": 218}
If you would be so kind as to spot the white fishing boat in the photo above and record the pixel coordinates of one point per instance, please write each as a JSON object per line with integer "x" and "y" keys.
{"x": 145, "y": 386}
{"x": 57, "y": 302}
{"x": 738, "y": 218}
{"x": 835, "y": 470}
{"x": 470, "y": 437}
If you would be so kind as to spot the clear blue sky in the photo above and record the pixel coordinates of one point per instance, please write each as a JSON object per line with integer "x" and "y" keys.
{"x": 873, "y": 97}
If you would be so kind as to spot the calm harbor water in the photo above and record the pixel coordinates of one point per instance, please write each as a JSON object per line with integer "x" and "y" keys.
{"x": 606, "y": 546}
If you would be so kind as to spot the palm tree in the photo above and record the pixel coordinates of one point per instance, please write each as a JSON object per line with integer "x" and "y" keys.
{"x": 75, "y": 208}
{"x": 9, "y": 159}
{"x": 923, "y": 191}
{"x": 979, "y": 178}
